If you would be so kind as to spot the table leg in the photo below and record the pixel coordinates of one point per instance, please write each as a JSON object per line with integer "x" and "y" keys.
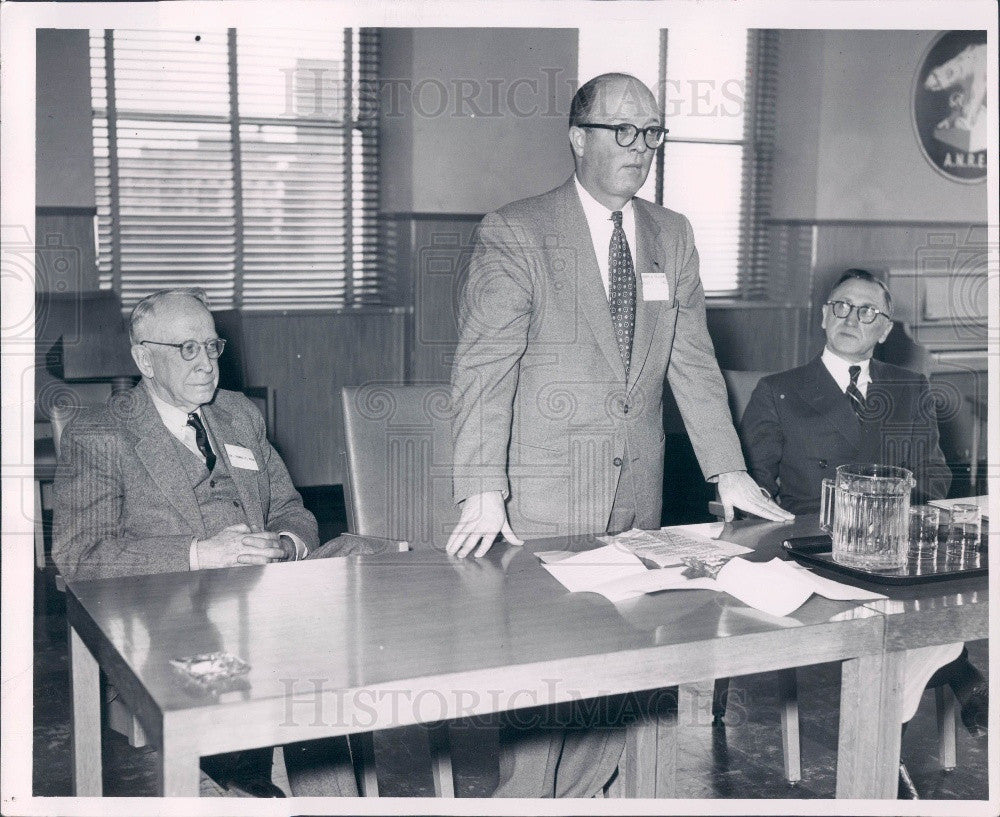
{"x": 869, "y": 742}
{"x": 179, "y": 769}
{"x": 86, "y": 692}
{"x": 440, "y": 748}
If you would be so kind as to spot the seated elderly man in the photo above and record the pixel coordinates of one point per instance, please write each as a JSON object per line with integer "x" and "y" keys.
{"x": 177, "y": 474}
{"x": 845, "y": 407}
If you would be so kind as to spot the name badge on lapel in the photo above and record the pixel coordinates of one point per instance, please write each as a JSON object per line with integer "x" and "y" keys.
{"x": 655, "y": 287}
{"x": 240, "y": 457}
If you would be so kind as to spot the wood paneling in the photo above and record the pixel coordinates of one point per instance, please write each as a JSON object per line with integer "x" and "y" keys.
{"x": 307, "y": 358}
{"x": 880, "y": 246}
{"x": 432, "y": 253}
{"x": 764, "y": 338}
{"x": 64, "y": 253}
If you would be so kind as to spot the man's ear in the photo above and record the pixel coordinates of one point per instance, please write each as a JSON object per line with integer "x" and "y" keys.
{"x": 577, "y": 138}
{"x": 140, "y": 354}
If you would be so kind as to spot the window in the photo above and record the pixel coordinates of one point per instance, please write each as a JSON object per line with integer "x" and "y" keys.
{"x": 238, "y": 160}
{"x": 716, "y": 88}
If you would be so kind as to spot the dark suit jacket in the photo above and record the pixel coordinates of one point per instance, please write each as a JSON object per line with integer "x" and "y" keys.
{"x": 123, "y": 505}
{"x": 799, "y": 426}
{"x": 543, "y": 407}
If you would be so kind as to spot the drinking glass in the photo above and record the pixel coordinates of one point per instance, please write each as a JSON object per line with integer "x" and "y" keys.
{"x": 963, "y": 531}
{"x": 924, "y": 521}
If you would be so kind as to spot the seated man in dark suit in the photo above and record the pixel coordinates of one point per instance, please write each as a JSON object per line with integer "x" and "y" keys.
{"x": 845, "y": 407}
{"x": 177, "y": 474}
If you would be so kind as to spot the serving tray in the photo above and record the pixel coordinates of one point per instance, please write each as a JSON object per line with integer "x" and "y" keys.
{"x": 816, "y": 551}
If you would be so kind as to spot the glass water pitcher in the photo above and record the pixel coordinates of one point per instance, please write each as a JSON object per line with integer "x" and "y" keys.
{"x": 866, "y": 511}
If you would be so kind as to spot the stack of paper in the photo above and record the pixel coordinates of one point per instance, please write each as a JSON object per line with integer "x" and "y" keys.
{"x": 776, "y": 587}
{"x": 672, "y": 546}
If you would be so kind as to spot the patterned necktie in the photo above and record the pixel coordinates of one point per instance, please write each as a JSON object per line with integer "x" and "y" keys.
{"x": 854, "y": 393}
{"x": 621, "y": 289}
{"x": 201, "y": 439}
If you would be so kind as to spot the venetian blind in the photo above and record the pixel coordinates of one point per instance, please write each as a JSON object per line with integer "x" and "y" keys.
{"x": 238, "y": 160}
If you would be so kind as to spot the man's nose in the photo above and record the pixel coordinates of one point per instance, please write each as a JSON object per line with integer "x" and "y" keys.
{"x": 852, "y": 317}
{"x": 202, "y": 361}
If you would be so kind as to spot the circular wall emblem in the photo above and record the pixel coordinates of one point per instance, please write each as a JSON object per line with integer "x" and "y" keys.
{"x": 949, "y": 105}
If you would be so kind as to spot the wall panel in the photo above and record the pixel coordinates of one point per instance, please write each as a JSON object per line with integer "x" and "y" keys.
{"x": 307, "y": 358}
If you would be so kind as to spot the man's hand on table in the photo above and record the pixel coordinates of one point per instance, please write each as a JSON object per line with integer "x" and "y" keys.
{"x": 737, "y": 489}
{"x": 483, "y": 517}
{"x": 239, "y": 545}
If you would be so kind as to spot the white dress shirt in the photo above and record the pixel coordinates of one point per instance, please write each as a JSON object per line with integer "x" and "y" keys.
{"x": 601, "y": 227}
{"x": 175, "y": 419}
{"x": 838, "y": 368}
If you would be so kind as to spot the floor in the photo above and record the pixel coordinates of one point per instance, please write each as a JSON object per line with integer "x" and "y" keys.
{"x": 741, "y": 759}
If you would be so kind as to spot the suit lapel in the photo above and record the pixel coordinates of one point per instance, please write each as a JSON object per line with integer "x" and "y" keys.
{"x": 649, "y": 258}
{"x": 592, "y": 299}
{"x": 882, "y": 402}
{"x": 821, "y": 391}
{"x": 154, "y": 447}
{"x": 224, "y": 428}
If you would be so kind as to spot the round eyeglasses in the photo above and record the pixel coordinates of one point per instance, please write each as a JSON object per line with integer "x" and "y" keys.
{"x": 626, "y": 133}
{"x": 189, "y": 349}
{"x": 866, "y": 314}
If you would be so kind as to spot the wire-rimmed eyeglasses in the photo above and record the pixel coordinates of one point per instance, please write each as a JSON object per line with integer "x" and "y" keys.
{"x": 866, "y": 314}
{"x": 626, "y": 133}
{"x": 189, "y": 349}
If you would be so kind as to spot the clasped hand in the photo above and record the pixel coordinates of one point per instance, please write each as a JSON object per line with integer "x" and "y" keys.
{"x": 240, "y": 545}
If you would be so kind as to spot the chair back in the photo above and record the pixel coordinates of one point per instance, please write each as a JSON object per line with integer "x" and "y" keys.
{"x": 399, "y": 462}
{"x": 740, "y": 386}
{"x": 60, "y": 403}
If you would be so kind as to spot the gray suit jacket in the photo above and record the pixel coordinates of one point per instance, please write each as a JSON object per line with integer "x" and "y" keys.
{"x": 543, "y": 408}
{"x": 123, "y": 505}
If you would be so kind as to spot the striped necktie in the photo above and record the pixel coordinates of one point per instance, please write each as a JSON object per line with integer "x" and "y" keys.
{"x": 201, "y": 439}
{"x": 621, "y": 289}
{"x": 854, "y": 393}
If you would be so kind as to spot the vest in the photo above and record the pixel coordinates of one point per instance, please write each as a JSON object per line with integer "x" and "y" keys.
{"x": 218, "y": 500}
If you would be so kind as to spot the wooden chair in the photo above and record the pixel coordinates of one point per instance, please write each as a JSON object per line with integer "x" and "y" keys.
{"x": 398, "y": 486}
{"x": 740, "y": 386}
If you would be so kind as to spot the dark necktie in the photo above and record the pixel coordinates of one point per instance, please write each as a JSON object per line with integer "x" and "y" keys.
{"x": 201, "y": 439}
{"x": 621, "y": 289}
{"x": 854, "y": 393}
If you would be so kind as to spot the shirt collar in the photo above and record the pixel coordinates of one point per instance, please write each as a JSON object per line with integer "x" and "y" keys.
{"x": 840, "y": 369}
{"x": 594, "y": 210}
{"x": 175, "y": 419}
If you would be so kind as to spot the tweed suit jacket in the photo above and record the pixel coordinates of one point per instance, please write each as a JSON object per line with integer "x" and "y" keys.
{"x": 543, "y": 409}
{"x": 123, "y": 505}
{"x": 799, "y": 426}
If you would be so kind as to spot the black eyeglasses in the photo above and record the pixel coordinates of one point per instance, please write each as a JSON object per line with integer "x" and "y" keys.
{"x": 190, "y": 348}
{"x": 626, "y": 133}
{"x": 866, "y": 314}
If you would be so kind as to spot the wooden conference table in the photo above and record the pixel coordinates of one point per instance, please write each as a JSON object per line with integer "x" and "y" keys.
{"x": 341, "y": 646}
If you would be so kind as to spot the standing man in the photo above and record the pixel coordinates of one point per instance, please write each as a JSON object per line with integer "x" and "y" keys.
{"x": 177, "y": 474}
{"x": 578, "y": 303}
